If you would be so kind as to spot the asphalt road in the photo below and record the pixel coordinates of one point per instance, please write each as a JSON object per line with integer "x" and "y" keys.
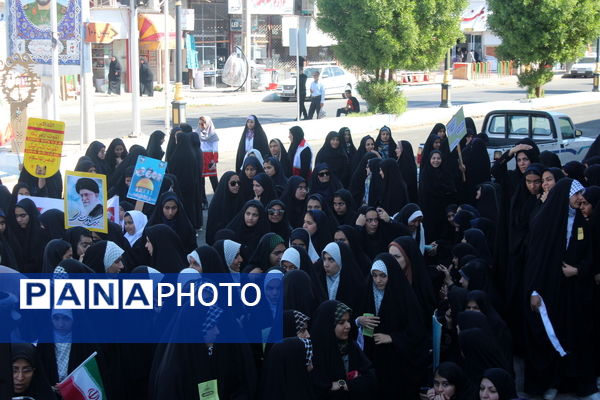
{"x": 111, "y": 125}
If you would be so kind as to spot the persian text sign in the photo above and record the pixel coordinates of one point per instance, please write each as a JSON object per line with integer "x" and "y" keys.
{"x": 456, "y": 129}
{"x": 99, "y": 32}
{"x": 43, "y": 146}
{"x": 264, "y": 7}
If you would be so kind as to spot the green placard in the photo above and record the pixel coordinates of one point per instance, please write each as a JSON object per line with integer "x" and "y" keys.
{"x": 456, "y": 129}
{"x": 367, "y": 331}
{"x": 208, "y": 390}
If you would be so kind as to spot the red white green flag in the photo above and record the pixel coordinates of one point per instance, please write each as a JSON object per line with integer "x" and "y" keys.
{"x": 84, "y": 383}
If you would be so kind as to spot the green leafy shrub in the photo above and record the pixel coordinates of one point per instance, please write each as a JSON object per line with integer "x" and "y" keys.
{"x": 383, "y": 97}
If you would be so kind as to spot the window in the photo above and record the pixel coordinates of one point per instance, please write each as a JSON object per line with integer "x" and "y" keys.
{"x": 327, "y": 73}
{"x": 497, "y": 124}
{"x": 567, "y": 130}
{"x": 337, "y": 71}
{"x": 541, "y": 126}
{"x": 518, "y": 125}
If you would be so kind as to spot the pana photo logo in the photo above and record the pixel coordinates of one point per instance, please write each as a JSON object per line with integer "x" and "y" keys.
{"x": 130, "y": 294}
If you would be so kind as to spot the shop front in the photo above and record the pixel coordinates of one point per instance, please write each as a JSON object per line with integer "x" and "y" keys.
{"x": 116, "y": 45}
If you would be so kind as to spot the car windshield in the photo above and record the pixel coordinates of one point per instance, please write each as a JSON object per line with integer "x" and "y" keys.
{"x": 586, "y": 60}
{"x": 310, "y": 71}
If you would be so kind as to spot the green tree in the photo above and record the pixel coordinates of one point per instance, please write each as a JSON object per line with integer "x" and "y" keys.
{"x": 540, "y": 33}
{"x": 380, "y": 35}
{"x": 389, "y": 34}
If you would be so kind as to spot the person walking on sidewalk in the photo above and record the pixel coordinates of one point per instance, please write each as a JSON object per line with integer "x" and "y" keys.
{"x": 317, "y": 92}
{"x": 114, "y": 76}
{"x": 146, "y": 79}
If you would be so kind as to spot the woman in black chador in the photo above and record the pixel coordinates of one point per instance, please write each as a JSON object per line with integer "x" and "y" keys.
{"x": 253, "y": 137}
{"x": 398, "y": 345}
{"x": 114, "y": 76}
{"x": 558, "y": 275}
{"x": 342, "y": 371}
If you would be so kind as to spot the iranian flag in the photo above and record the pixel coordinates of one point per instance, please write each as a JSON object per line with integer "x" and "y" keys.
{"x": 84, "y": 383}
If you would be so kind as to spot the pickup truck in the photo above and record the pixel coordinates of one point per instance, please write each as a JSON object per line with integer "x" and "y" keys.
{"x": 550, "y": 130}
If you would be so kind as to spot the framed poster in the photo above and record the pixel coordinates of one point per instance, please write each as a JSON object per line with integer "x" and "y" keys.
{"x": 85, "y": 201}
{"x": 147, "y": 178}
{"x": 29, "y": 30}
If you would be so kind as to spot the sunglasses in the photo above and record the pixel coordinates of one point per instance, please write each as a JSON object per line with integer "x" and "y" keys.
{"x": 234, "y": 183}
{"x": 273, "y": 211}
{"x": 323, "y": 174}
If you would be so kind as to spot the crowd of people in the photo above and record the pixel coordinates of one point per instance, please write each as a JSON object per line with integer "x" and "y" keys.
{"x": 372, "y": 253}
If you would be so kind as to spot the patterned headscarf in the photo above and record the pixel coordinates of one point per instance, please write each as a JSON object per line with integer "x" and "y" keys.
{"x": 309, "y": 350}
{"x": 300, "y": 321}
{"x": 576, "y": 187}
{"x": 211, "y": 319}
{"x": 340, "y": 310}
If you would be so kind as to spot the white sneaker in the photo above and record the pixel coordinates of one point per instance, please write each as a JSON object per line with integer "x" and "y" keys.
{"x": 595, "y": 396}
{"x": 550, "y": 394}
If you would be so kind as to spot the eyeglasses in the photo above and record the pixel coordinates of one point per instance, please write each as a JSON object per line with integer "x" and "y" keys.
{"x": 273, "y": 211}
{"x": 234, "y": 183}
{"x": 323, "y": 174}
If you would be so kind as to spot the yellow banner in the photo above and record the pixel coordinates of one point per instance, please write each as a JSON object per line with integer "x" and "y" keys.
{"x": 43, "y": 146}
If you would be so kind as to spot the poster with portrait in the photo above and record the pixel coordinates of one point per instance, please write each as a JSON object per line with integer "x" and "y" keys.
{"x": 85, "y": 201}
{"x": 147, "y": 179}
{"x": 29, "y": 30}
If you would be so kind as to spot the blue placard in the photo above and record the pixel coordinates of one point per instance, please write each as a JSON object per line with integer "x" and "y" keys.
{"x": 146, "y": 180}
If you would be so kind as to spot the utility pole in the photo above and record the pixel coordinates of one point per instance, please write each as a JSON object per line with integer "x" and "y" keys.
{"x": 178, "y": 103}
{"x": 166, "y": 66}
{"x": 247, "y": 45}
{"x": 87, "y": 124}
{"x": 55, "y": 74}
{"x": 446, "y": 102}
{"x": 597, "y": 70}
{"x": 134, "y": 57}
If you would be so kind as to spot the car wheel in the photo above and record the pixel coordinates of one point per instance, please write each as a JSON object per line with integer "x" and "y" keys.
{"x": 285, "y": 99}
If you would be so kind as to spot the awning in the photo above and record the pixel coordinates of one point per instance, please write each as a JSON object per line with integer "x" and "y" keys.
{"x": 152, "y": 31}
{"x": 474, "y": 18}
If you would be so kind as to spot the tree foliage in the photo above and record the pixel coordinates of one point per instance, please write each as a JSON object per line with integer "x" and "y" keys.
{"x": 396, "y": 34}
{"x": 543, "y": 32}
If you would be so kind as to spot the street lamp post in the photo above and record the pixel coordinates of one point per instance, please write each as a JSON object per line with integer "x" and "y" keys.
{"x": 597, "y": 71}
{"x": 178, "y": 105}
{"x": 446, "y": 102}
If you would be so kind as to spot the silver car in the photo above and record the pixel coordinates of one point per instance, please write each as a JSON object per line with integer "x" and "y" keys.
{"x": 335, "y": 79}
{"x": 584, "y": 67}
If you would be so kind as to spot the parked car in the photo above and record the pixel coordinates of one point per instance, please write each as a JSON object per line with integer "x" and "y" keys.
{"x": 550, "y": 130}
{"x": 335, "y": 79}
{"x": 584, "y": 67}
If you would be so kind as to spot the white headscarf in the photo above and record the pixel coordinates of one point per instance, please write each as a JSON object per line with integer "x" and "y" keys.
{"x": 291, "y": 255}
{"x": 256, "y": 153}
{"x": 333, "y": 282}
{"x": 210, "y": 133}
{"x": 380, "y": 266}
{"x": 139, "y": 221}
